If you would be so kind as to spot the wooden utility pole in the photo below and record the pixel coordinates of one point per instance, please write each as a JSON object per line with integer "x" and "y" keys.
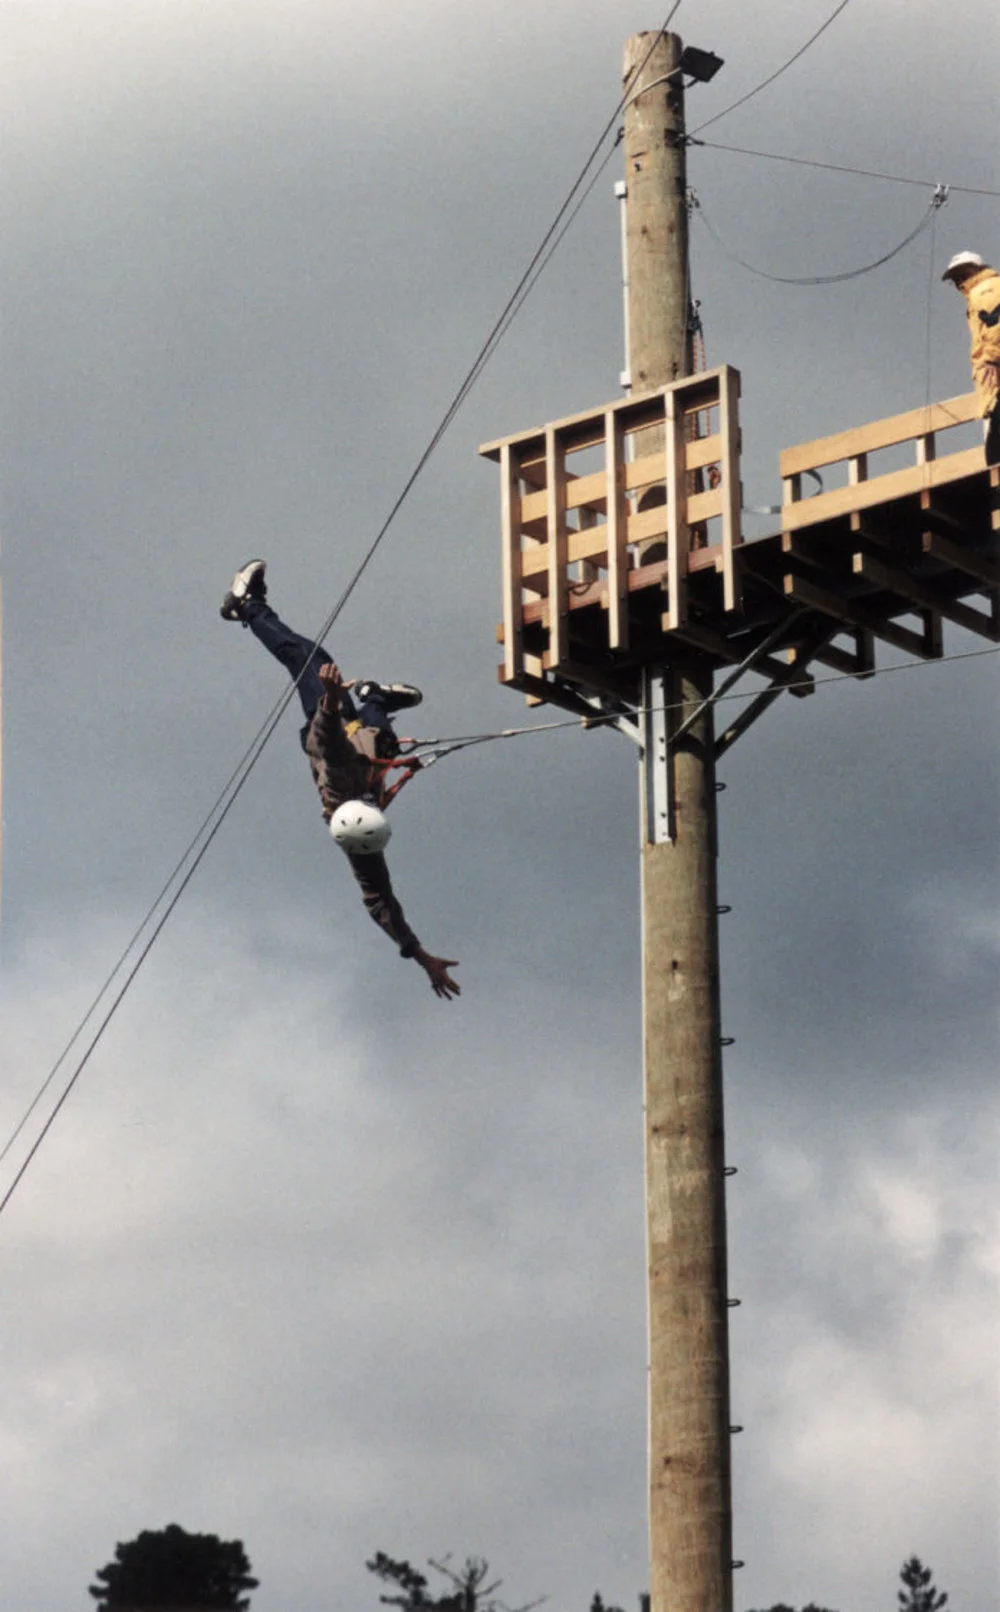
{"x": 656, "y": 212}
{"x": 689, "y": 1460}
{"x": 627, "y": 586}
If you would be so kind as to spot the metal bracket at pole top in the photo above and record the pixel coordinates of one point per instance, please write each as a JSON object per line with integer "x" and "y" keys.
{"x": 657, "y": 772}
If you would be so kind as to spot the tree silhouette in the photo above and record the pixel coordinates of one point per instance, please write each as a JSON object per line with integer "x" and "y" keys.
{"x": 780, "y": 1606}
{"x": 598, "y": 1604}
{"x": 920, "y": 1594}
{"x": 171, "y": 1568}
{"x": 469, "y": 1590}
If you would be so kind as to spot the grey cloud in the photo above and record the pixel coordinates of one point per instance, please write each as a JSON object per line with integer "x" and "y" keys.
{"x": 309, "y": 1258}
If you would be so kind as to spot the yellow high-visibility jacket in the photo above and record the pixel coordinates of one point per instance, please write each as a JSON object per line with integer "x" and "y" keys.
{"x": 982, "y": 306}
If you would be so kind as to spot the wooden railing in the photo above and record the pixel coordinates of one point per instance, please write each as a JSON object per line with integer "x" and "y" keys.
{"x": 569, "y": 526}
{"x": 921, "y": 427}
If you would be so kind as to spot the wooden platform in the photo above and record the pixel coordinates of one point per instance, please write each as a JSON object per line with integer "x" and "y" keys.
{"x": 622, "y": 547}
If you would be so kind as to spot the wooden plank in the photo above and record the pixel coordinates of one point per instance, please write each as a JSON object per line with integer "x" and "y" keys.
{"x": 615, "y": 532}
{"x": 727, "y": 654}
{"x": 981, "y": 566}
{"x": 797, "y": 547}
{"x": 707, "y": 559}
{"x": 702, "y": 506}
{"x": 746, "y": 718}
{"x": 864, "y": 648}
{"x": 919, "y": 593}
{"x": 577, "y": 424}
{"x": 533, "y": 470}
{"x": 638, "y": 580}
{"x": 644, "y": 472}
{"x": 582, "y": 492}
{"x": 582, "y": 596}
{"x": 696, "y": 391}
{"x": 878, "y": 434}
{"x": 592, "y": 544}
{"x": 555, "y": 476}
{"x": 856, "y": 614}
{"x": 588, "y": 569}
{"x": 882, "y": 489}
{"x": 653, "y": 522}
{"x": 678, "y": 531}
{"x": 731, "y": 491}
{"x": 816, "y": 640}
{"x": 862, "y": 526}
{"x": 650, "y": 523}
{"x": 701, "y": 451}
{"x": 510, "y": 527}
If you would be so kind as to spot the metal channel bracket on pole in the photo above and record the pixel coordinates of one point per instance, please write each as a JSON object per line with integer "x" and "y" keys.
{"x": 657, "y": 784}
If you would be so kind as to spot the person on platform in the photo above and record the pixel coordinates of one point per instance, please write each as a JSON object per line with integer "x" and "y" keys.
{"x": 348, "y": 739}
{"x": 980, "y": 286}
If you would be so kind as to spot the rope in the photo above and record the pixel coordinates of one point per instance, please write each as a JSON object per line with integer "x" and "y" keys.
{"x": 226, "y": 799}
{"x": 445, "y": 747}
{"x": 931, "y": 277}
{"x": 837, "y": 167}
{"x": 937, "y": 200}
{"x": 782, "y": 69}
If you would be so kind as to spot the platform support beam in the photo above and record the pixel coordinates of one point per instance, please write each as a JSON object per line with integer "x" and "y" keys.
{"x": 689, "y": 1476}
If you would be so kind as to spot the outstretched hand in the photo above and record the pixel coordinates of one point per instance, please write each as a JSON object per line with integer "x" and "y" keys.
{"x": 436, "y": 969}
{"x": 335, "y": 683}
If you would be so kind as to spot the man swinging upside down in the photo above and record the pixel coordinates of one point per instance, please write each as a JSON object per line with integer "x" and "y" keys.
{"x": 348, "y": 741}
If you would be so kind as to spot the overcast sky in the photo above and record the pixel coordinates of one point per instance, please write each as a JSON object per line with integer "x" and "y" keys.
{"x": 311, "y": 1258}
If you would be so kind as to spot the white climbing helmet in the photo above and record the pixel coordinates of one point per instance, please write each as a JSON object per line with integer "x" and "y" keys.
{"x": 360, "y": 828}
{"x": 962, "y": 260}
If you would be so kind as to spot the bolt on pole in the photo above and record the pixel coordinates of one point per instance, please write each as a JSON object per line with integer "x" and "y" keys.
{"x": 689, "y": 1457}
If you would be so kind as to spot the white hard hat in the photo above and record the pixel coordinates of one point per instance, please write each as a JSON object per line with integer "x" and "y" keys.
{"x": 360, "y": 828}
{"x": 963, "y": 260}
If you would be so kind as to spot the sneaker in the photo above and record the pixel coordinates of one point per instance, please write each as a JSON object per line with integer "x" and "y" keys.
{"x": 248, "y": 583}
{"x": 391, "y": 696}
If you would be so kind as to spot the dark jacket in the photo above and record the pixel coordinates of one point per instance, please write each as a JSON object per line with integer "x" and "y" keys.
{"x": 343, "y": 767}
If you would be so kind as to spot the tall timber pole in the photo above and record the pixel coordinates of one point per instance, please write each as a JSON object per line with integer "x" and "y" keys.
{"x": 689, "y": 1460}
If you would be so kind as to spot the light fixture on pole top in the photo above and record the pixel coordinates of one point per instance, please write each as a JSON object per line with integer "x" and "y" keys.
{"x": 702, "y": 65}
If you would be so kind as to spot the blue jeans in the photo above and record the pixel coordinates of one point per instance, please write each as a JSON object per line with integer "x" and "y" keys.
{"x": 300, "y": 657}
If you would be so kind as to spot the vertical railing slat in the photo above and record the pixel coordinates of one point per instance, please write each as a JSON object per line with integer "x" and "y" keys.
{"x": 732, "y": 487}
{"x": 510, "y": 523}
{"x": 555, "y": 482}
{"x": 678, "y": 535}
{"x": 614, "y": 452}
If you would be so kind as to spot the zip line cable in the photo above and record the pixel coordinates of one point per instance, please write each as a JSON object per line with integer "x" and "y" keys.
{"x": 937, "y": 200}
{"x": 837, "y": 167}
{"x": 928, "y": 319}
{"x": 116, "y": 1001}
{"x": 770, "y": 80}
{"x": 539, "y": 271}
{"x": 503, "y": 323}
{"x": 599, "y": 719}
{"x": 607, "y": 719}
{"x": 441, "y": 747}
{"x": 126, "y": 952}
{"x": 501, "y": 330}
{"x": 227, "y": 797}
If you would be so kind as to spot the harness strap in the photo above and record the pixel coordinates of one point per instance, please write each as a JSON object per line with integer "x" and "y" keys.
{"x": 409, "y": 766}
